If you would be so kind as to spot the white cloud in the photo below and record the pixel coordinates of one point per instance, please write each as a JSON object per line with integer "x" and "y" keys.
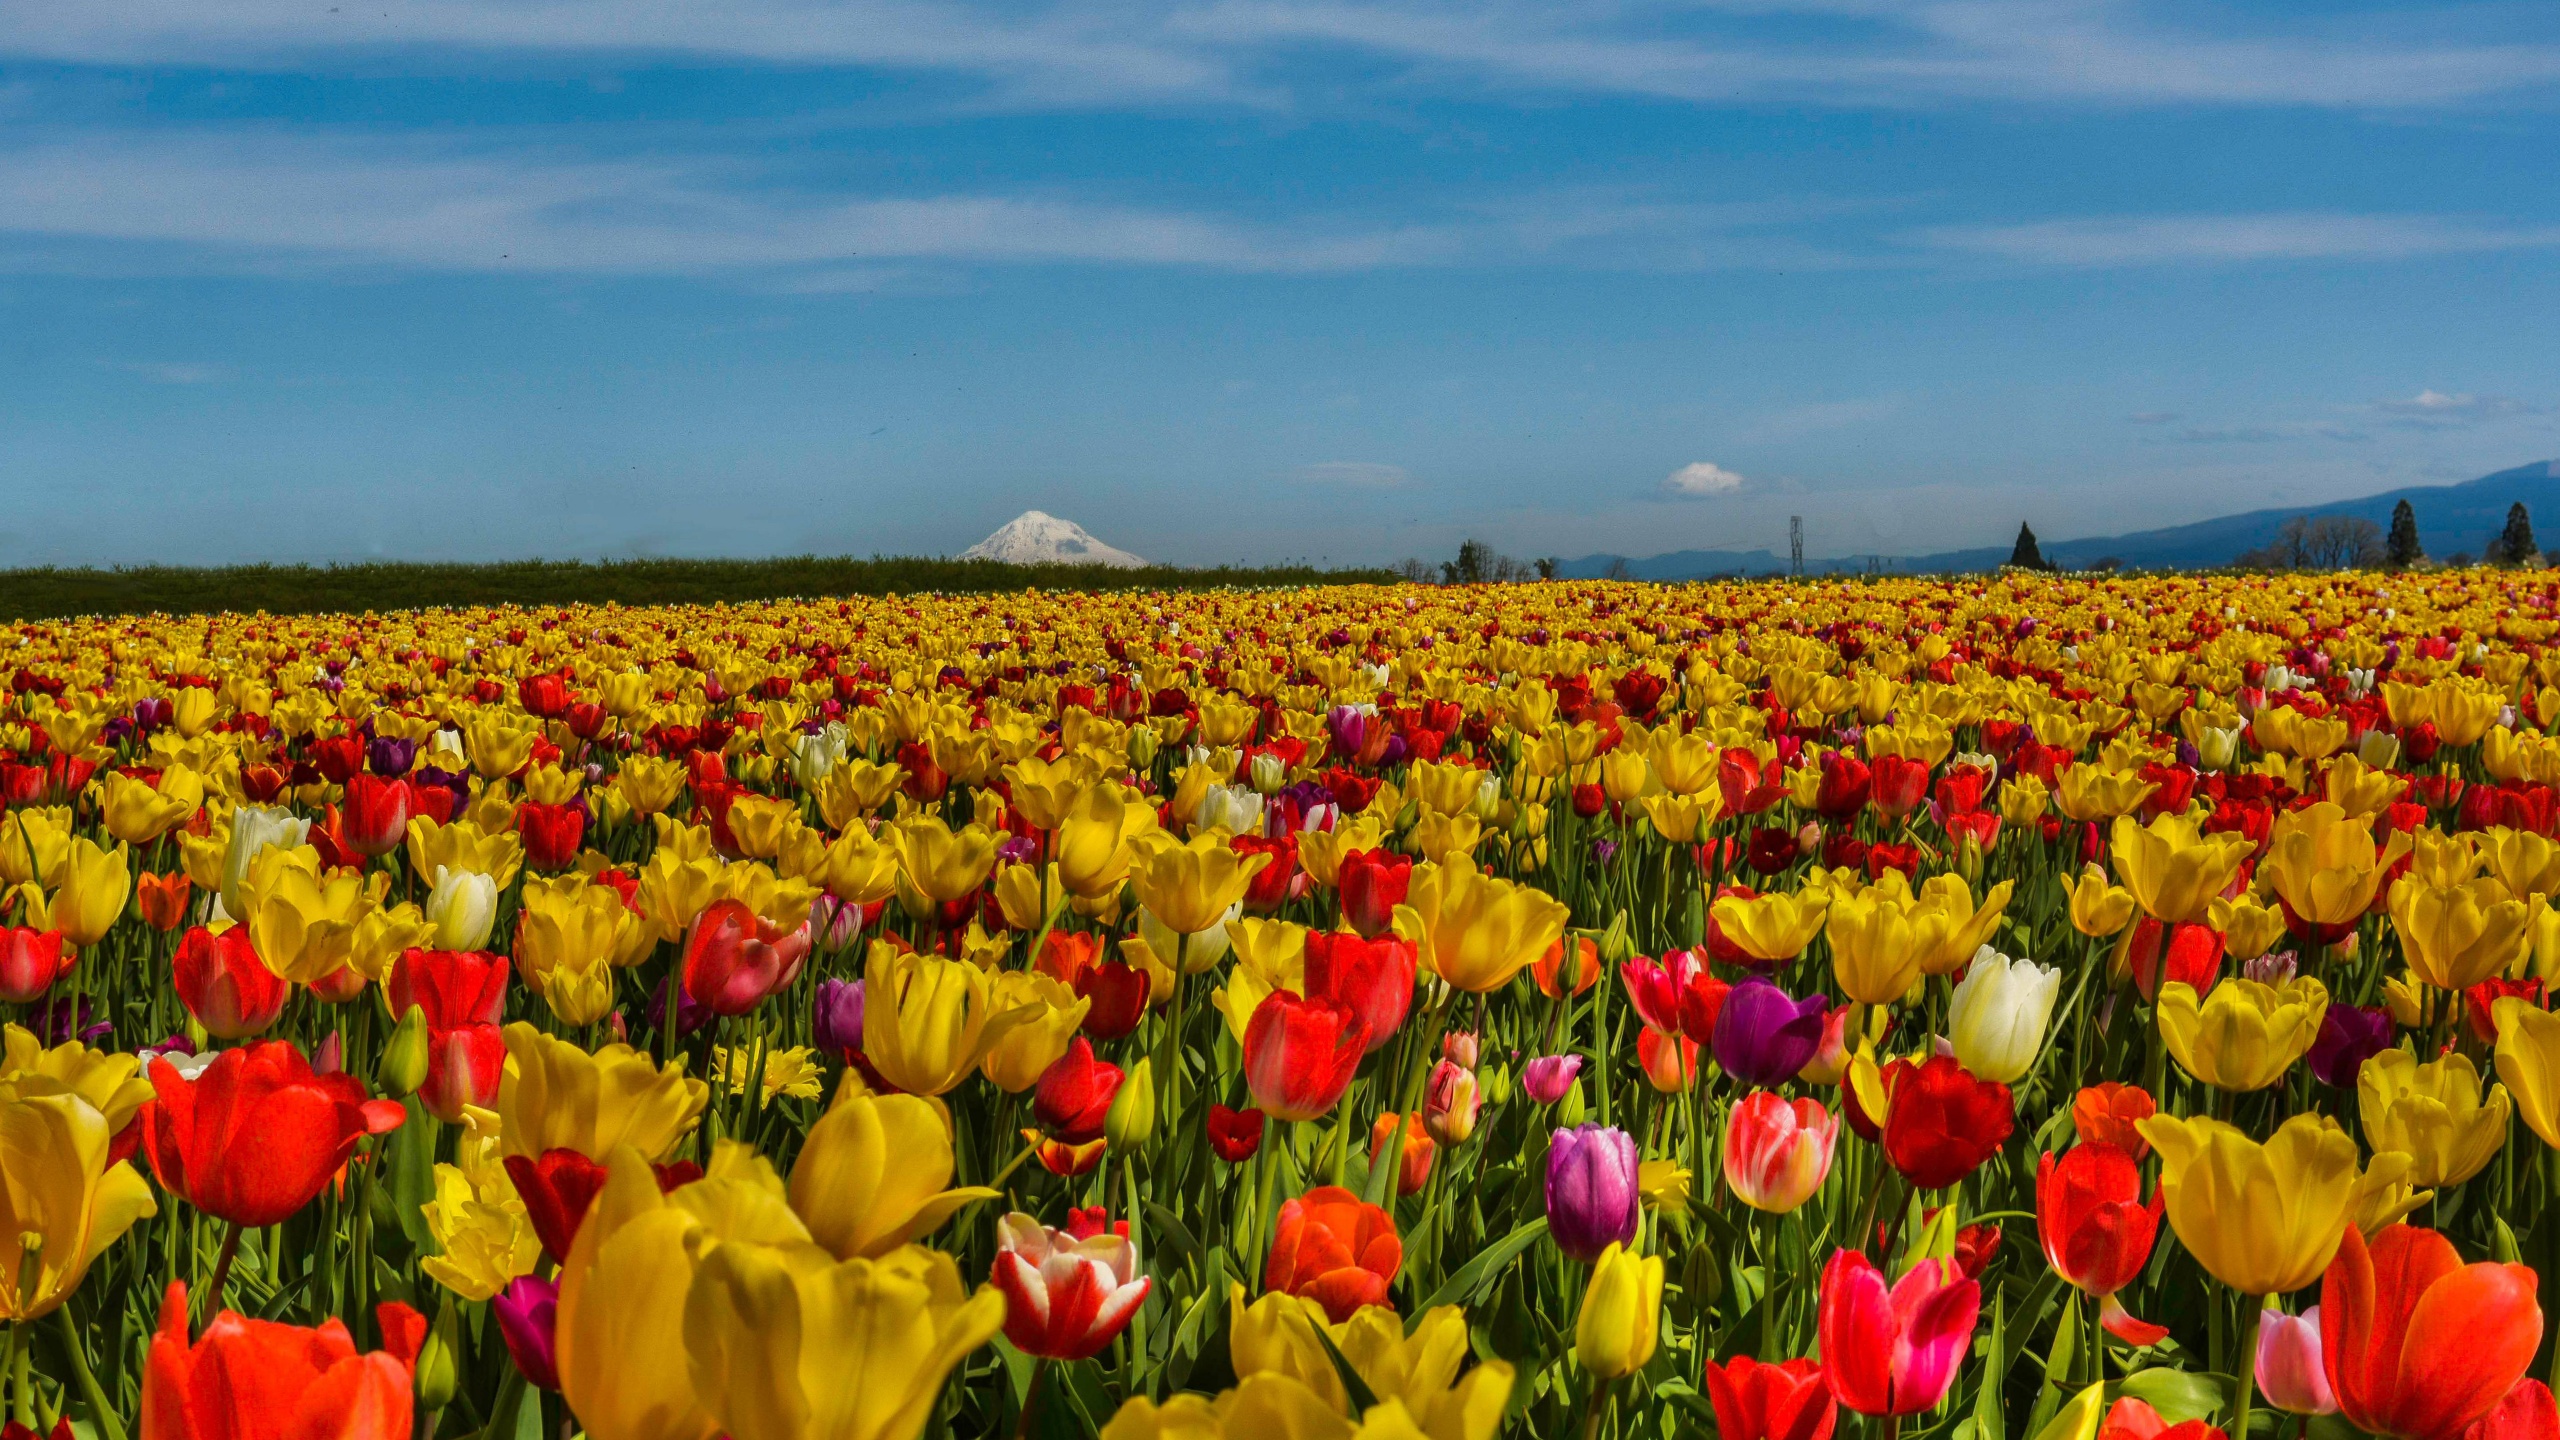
{"x": 2433, "y": 409}
{"x": 1123, "y": 52}
{"x": 1362, "y": 474}
{"x": 2186, "y": 239}
{"x": 1700, "y": 478}
{"x": 178, "y": 373}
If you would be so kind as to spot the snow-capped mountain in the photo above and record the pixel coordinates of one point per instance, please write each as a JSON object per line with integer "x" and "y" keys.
{"x": 1035, "y": 538}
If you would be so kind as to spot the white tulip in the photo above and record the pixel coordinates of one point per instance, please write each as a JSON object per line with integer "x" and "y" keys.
{"x": 463, "y": 906}
{"x": 1998, "y": 1016}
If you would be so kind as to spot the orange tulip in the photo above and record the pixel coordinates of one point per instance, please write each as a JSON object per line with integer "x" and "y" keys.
{"x": 2418, "y": 1343}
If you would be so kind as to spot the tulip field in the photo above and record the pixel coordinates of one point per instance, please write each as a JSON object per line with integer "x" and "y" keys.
{"x": 2028, "y": 1007}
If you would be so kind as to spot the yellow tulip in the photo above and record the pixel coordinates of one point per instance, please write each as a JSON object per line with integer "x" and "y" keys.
{"x": 855, "y": 790}
{"x": 568, "y": 935}
{"x": 1046, "y": 791}
{"x": 1097, "y": 844}
{"x": 2023, "y": 798}
{"x": 927, "y": 1021}
{"x": 2529, "y": 1061}
{"x": 2098, "y": 909}
{"x": 1879, "y": 936}
{"x": 62, "y": 1190}
{"x": 2441, "y": 859}
{"x": 138, "y": 812}
{"x": 1282, "y": 1336}
{"x": 2264, "y": 1219}
{"x": 2456, "y": 936}
{"x": 2244, "y": 1035}
{"x": 2088, "y": 792}
{"x": 1969, "y": 925}
{"x": 788, "y": 1343}
{"x": 462, "y": 845}
{"x": 497, "y": 749}
{"x": 1773, "y": 927}
{"x": 112, "y": 1083}
{"x": 1420, "y": 1371}
{"x": 1474, "y": 930}
{"x": 95, "y": 886}
{"x": 1441, "y": 837}
{"x": 1016, "y": 1062}
{"x": 1685, "y": 764}
{"x": 1320, "y": 852}
{"x": 2326, "y": 865}
{"x": 875, "y": 1174}
{"x": 2526, "y": 862}
{"x": 757, "y": 823}
{"x": 484, "y": 1238}
{"x": 302, "y": 922}
{"x": 2385, "y": 1196}
{"x": 2248, "y": 928}
{"x": 1451, "y": 789}
{"x": 942, "y": 863}
{"x": 1678, "y": 818}
{"x": 386, "y": 934}
{"x": 2173, "y": 869}
{"x": 649, "y": 784}
{"x": 555, "y": 1096}
{"x": 2432, "y": 1113}
{"x": 1030, "y": 896}
{"x": 674, "y": 891}
{"x": 1190, "y": 885}
{"x": 2359, "y": 789}
{"x": 1621, "y": 1318}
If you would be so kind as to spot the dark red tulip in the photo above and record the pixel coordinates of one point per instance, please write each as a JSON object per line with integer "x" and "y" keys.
{"x": 1234, "y": 1134}
{"x": 1943, "y": 1123}
{"x": 1075, "y": 1093}
{"x": 1373, "y": 884}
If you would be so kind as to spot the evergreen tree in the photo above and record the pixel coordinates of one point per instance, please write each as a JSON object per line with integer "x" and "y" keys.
{"x": 2026, "y": 556}
{"x": 2402, "y": 550}
{"x": 2515, "y": 543}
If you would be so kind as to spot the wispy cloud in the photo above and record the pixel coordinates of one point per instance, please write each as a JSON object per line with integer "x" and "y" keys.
{"x": 2233, "y": 239}
{"x": 2151, "y": 417}
{"x": 1124, "y": 52}
{"x": 175, "y": 373}
{"x": 2437, "y": 409}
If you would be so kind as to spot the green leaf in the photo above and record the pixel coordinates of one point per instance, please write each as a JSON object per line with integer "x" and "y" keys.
{"x": 1987, "y": 1424}
{"x": 1172, "y": 1233}
{"x": 1362, "y": 1397}
{"x": 1462, "y": 1287}
{"x": 2179, "y": 1395}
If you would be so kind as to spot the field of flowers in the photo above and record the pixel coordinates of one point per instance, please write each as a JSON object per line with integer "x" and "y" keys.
{"x": 2003, "y": 1009}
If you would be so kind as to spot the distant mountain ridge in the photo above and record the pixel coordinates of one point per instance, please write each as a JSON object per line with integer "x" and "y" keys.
{"x": 2451, "y": 519}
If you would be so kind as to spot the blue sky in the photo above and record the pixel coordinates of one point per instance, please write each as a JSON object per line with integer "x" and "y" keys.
{"x": 1254, "y": 279}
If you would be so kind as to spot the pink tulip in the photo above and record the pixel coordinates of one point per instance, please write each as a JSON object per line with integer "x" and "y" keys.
{"x": 2290, "y": 1372}
{"x": 1777, "y": 1152}
{"x": 1548, "y": 1077}
{"x": 1894, "y": 1352}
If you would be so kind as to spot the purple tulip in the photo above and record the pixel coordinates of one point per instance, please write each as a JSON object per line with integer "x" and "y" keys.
{"x": 691, "y": 1014}
{"x": 390, "y": 757}
{"x": 1762, "y": 1037}
{"x": 1591, "y": 1190}
{"x": 528, "y": 1313}
{"x": 2349, "y": 1036}
{"x": 838, "y": 1026}
{"x": 1549, "y": 1078}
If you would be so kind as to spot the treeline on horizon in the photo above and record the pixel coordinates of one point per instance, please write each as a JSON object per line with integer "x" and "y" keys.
{"x": 52, "y": 592}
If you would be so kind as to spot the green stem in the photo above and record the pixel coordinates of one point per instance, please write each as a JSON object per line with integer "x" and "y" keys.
{"x": 101, "y": 1414}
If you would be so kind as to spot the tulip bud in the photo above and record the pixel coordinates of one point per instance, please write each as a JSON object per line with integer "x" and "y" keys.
{"x": 1458, "y": 1047}
{"x": 1549, "y": 1078}
{"x": 1449, "y": 1102}
{"x": 438, "y": 1374}
{"x": 331, "y": 1055}
{"x": 1142, "y": 749}
{"x": 1617, "y": 947}
{"x": 1132, "y": 1120}
{"x": 403, "y": 1067}
{"x": 1495, "y": 1084}
{"x": 1570, "y": 1110}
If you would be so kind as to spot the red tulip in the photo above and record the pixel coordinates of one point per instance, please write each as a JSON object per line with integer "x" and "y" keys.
{"x": 2096, "y": 1228}
{"x": 558, "y": 1187}
{"x": 1334, "y": 1249}
{"x": 1846, "y": 784}
{"x": 1065, "y": 1297}
{"x": 257, "y": 1133}
{"x": 1898, "y": 785}
{"x": 2132, "y": 1418}
{"x": 1300, "y": 1054}
{"x": 1894, "y": 1352}
{"x": 337, "y": 758}
{"x": 248, "y": 1379}
{"x": 1756, "y": 1401}
{"x": 1373, "y": 977}
{"x": 551, "y": 834}
{"x": 1234, "y": 1134}
{"x": 375, "y": 818}
{"x": 736, "y": 958}
{"x": 1373, "y": 884}
{"x": 1675, "y": 994}
{"x": 545, "y": 696}
{"x": 1271, "y": 885}
{"x": 1413, "y": 1164}
{"x": 1942, "y": 1122}
{"x": 464, "y": 1065}
{"x": 2418, "y": 1343}
{"x": 455, "y": 987}
{"x": 1119, "y": 995}
{"x": 2107, "y": 1112}
{"x": 1748, "y": 788}
{"x": 2526, "y": 1414}
{"x": 30, "y": 961}
{"x": 223, "y": 983}
{"x": 1075, "y": 1094}
{"x": 2154, "y": 954}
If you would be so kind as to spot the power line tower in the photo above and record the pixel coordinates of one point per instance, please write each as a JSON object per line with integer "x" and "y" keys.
{"x": 1795, "y": 546}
